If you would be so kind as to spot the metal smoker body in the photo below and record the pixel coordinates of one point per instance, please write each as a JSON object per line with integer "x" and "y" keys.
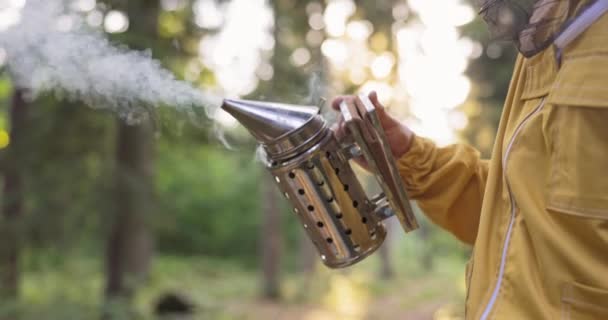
{"x": 312, "y": 170}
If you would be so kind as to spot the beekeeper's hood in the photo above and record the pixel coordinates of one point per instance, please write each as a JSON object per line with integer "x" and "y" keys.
{"x": 531, "y": 24}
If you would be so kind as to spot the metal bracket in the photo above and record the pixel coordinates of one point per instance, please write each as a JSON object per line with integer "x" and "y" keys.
{"x": 365, "y": 128}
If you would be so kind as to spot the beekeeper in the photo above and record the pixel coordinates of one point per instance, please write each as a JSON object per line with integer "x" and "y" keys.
{"x": 536, "y": 213}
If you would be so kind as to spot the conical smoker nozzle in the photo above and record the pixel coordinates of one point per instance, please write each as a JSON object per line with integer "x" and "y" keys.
{"x": 269, "y": 121}
{"x": 281, "y": 128}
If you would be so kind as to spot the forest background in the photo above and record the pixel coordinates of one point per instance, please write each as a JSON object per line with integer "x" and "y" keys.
{"x": 100, "y": 218}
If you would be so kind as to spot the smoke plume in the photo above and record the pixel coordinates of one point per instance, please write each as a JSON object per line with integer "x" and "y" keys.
{"x": 77, "y": 62}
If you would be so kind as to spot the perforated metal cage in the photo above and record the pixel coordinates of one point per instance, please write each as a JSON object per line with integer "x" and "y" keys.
{"x": 330, "y": 203}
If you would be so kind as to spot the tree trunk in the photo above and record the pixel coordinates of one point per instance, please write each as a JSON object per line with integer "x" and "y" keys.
{"x": 426, "y": 260}
{"x": 130, "y": 247}
{"x": 12, "y": 206}
{"x": 270, "y": 240}
{"x": 130, "y": 242}
{"x": 306, "y": 262}
{"x": 386, "y": 267}
{"x": 307, "y": 256}
{"x": 286, "y": 81}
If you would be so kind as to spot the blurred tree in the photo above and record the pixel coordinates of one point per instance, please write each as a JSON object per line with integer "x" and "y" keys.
{"x": 387, "y": 271}
{"x": 270, "y": 239}
{"x": 130, "y": 242}
{"x": 13, "y": 200}
{"x": 67, "y": 175}
{"x": 294, "y": 34}
{"x": 316, "y": 71}
{"x": 426, "y": 259}
{"x": 130, "y": 247}
{"x": 307, "y": 256}
{"x": 287, "y": 82}
{"x": 490, "y": 74}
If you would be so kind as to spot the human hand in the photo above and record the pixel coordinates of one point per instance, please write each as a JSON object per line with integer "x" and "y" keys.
{"x": 399, "y": 136}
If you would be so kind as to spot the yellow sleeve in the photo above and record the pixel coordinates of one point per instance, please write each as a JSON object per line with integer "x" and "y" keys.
{"x": 448, "y": 184}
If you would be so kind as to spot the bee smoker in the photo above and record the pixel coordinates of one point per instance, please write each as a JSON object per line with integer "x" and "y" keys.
{"x": 311, "y": 168}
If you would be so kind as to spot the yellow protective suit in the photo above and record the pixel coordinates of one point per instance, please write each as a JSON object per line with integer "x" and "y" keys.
{"x": 537, "y": 212}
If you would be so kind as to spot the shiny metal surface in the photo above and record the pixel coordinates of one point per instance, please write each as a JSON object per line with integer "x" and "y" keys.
{"x": 312, "y": 169}
{"x": 331, "y": 204}
{"x": 266, "y": 121}
{"x": 365, "y": 128}
{"x": 282, "y": 129}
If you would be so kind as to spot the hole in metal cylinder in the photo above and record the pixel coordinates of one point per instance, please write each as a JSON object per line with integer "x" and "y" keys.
{"x": 292, "y": 175}
{"x": 339, "y": 215}
{"x": 345, "y": 187}
{"x": 364, "y": 220}
{"x": 319, "y": 224}
{"x": 355, "y": 203}
{"x": 329, "y": 240}
{"x": 311, "y": 208}
{"x": 348, "y": 231}
{"x": 301, "y": 191}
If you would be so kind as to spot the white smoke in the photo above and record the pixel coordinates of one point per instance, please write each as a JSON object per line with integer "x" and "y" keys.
{"x": 43, "y": 53}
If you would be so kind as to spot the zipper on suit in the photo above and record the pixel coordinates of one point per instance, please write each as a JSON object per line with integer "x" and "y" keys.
{"x": 505, "y": 245}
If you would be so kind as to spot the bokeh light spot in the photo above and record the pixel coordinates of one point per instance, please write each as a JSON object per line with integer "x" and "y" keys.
{"x": 400, "y": 11}
{"x": 300, "y": 57}
{"x": 335, "y": 50}
{"x": 116, "y": 22}
{"x": 316, "y": 21}
{"x": 359, "y": 30}
{"x": 382, "y": 65}
{"x": 336, "y": 14}
{"x": 207, "y": 14}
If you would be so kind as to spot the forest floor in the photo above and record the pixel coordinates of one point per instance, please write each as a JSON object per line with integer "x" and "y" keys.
{"x": 359, "y": 294}
{"x": 387, "y": 308}
{"x": 221, "y": 290}
{"x": 427, "y": 299}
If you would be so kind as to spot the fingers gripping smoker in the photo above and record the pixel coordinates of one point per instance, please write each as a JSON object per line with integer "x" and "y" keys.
{"x": 311, "y": 167}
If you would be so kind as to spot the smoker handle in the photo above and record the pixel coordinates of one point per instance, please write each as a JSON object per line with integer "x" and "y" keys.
{"x": 367, "y": 133}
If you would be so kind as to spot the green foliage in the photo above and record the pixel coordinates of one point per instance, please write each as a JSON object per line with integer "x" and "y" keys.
{"x": 209, "y": 200}
{"x": 65, "y": 165}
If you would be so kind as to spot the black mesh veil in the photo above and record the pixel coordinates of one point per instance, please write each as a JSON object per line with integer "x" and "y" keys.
{"x": 531, "y": 24}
